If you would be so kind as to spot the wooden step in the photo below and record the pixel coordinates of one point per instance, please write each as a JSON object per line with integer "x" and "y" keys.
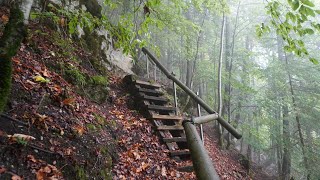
{"x": 175, "y": 139}
{"x": 166, "y": 117}
{"x": 161, "y": 108}
{"x": 180, "y": 152}
{"x": 149, "y": 91}
{"x": 154, "y": 98}
{"x": 186, "y": 168}
{"x": 148, "y": 84}
{"x": 176, "y": 127}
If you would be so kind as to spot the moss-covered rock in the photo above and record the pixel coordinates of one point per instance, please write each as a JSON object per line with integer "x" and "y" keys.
{"x": 9, "y": 44}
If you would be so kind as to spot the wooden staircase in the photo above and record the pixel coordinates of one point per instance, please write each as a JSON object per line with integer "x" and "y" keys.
{"x": 152, "y": 103}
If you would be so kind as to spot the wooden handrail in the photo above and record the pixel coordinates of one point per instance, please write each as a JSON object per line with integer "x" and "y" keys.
{"x": 224, "y": 123}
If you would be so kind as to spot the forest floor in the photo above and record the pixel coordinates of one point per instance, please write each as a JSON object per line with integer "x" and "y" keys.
{"x": 54, "y": 129}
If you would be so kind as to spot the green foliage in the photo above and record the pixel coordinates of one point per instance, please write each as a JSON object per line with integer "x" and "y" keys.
{"x": 292, "y": 24}
{"x": 69, "y": 18}
{"x": 81, "y": 173}
{"x": 99, "y": 80}
{"x": 101, "y": 120}
{"x": 75, "y": 75}
{"x": 22, "y": 141}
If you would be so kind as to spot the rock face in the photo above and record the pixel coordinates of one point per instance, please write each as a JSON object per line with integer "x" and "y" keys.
{"x": 100, "y": 41}
{"x": 115, "y": 57}
{"x": 111, "y": 57}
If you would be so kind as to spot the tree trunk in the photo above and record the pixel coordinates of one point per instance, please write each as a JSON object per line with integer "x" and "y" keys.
{"x": 286, "y": 157}
{"x": 286, "y": 160}
{"x": 221, "y": 141}
{"x": 229, "y": 63}
{"x": 9, "y": 44}
{"x": 295, "y": 109}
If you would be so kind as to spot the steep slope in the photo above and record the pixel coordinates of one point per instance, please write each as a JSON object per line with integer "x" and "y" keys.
{"x": 66, "y": 119}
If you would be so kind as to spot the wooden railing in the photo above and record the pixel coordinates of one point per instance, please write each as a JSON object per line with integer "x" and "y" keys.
{"x": 205, "y": 106}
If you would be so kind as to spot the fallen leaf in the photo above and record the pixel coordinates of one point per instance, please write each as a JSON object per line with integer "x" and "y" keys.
{"x": 67, "y": 151}
{"x": 31, "y": 158}
{"x": 80, "y": 129}
{"x": 5, "y": 18}
{"x": 40, "y": 79}
{"x": 16, "y": 60}
{"x": 163, "y": 171}
{"x": 68, "y": 101}
{"x": 45, "y": 73}
{"x": 62, "y": 22}
{"x": 2, "y": 170}
{"x": 16, "y": 177}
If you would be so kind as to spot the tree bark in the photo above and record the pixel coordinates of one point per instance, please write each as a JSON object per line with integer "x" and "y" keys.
{"x": 9, "y": 44}
{"x": 286, "y": 157}
{"x": 221, "y": 141}
{"x": 297, "y": 118}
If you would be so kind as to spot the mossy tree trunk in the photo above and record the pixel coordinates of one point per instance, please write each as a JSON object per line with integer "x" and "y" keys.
{"x": 9, "y": 44}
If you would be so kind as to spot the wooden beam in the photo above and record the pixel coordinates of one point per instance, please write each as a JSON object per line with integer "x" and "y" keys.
{"x": 175, "y": 139}
{"x": 166, "y": 117}
{"x": 180, "y": 152}
{"x": 161, "y": 108}
{"x": 154, "y": 98}
{"x": 148, "y": 84}
{"x": 176, "y": 127}
{"x": 149, "y": 91}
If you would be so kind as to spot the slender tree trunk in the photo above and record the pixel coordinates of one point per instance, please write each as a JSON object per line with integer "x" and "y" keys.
{"x": 286, "y": 157}
{"x": 229, "y": 65}
{"x": 191, "y": 65}
{"x": 286, "y": 160}
{"x": 221, "y": 142}
{"x": 297, "y": 118}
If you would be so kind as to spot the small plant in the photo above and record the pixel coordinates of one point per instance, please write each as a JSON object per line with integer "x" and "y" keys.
{"x": 22, "y": 141}
{"x": 75, "y": 75}
{"x": 99, "y": 118}
{"x": 81, "y": 174}
{"x": 99, "y": 80}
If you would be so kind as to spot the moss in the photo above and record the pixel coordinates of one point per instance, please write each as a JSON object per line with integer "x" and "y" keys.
{"x": 101, "y": 120}
{"x": 99, "y": 80}
{"x": 81, "y": 173}
{"x": 75, "y": 76}
{"x": 91, "y": 127}
{"x": 111, "y": 123}
{"x": 106, "y": 174}
{"x": 10, "y": 42}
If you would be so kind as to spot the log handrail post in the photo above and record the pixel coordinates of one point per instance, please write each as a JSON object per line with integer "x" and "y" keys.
{"x": 175, "y": 95}
{"x": 147, "y": 64}
{"x": 200, "y": 126}
{"x": 202, "y": 163}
